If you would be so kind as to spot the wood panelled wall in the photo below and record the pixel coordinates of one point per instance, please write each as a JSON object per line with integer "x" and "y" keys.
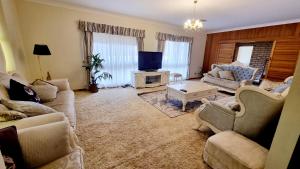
{"x": 220, "y": 47}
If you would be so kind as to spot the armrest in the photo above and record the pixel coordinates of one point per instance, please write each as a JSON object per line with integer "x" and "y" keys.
{"x": 35, "y": 121}
{"x": 246, "y": 83}
{"x": 220, "y": 117}
{"x": 61, "y": 84}
{"x": 43, "y": 144}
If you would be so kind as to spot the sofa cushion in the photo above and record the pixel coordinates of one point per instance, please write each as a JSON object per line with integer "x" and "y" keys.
{"x": 229, "y": 150}
{"x": 215, "y": 72}
{"x": 240, "y": 73}
{"x": 44, "y": 144}
{"x": 73, "y": 160}
{"x": 28, "y": 108}
{"x": 228, "y": 75}
{"x": 9, "y": 115}
{"x": 5, "y": 78}
{"x": 222, "y": 82}
{"x": 46, "y": 92}
{"x": 64, "y": 102}
{"x": 3, "y": 92}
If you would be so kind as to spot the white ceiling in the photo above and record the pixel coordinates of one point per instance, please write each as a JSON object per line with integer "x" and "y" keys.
{"x": 220, "y": 14}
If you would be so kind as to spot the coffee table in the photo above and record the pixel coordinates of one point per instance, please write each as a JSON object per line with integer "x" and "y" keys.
{"x": 195, "y": 90}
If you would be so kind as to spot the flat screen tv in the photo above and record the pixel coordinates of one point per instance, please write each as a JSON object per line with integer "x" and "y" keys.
{"x": 149, "y": 61}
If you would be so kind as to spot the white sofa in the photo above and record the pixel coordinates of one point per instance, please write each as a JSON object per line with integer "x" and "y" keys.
{"x": 64, "y": 102}
{"x": 232, "y": 85}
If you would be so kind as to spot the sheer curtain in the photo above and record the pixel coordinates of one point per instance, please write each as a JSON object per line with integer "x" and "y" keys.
{"x": 120, "y": 54}
{"x": 176, "y": 57}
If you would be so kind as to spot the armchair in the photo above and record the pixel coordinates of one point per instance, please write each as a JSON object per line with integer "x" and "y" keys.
{"x": 257, "y": 108}
{"x": 50, "y": 146}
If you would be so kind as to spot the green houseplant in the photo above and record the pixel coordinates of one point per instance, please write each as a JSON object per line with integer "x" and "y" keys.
{"x": 94, "y": 67}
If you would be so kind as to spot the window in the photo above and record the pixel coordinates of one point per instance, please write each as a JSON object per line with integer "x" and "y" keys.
{"x": 244, "y": 54}
{"x": 176, "y": 57}
{"x": 120, "y": 54}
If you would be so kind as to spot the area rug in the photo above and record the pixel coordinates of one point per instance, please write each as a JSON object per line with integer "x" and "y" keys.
{"x": 119, "y": 130}
{"x": 173, "y": 107}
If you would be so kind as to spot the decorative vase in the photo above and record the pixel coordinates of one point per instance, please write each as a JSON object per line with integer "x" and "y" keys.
{"x": 93, "y": 88}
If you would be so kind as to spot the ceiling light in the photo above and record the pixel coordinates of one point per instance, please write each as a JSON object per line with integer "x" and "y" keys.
{"x": 194, "y": 24}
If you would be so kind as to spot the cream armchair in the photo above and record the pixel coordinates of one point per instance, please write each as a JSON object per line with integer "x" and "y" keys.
{"x": 48, "y": 142}
{"x": 257, "y": 108}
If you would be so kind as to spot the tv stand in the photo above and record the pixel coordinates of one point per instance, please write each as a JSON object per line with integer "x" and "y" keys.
{"x": 146, "y": 79}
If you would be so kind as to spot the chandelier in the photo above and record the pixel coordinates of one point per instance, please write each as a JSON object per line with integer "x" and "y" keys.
{"x": 194, "y": 24}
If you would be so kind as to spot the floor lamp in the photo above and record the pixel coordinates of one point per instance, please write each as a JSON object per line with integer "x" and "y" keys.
{"x": 41, "y": 50}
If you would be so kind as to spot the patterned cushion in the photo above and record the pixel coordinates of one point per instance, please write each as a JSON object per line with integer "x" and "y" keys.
{"x": 215, "y": 72}
{"x": 240, "y": 73}
{"x": 9, "y": 115}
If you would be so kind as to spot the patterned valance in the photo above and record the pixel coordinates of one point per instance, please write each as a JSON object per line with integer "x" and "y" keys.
{"x": 110, "y": 29}
{"x": 164, "y": 36}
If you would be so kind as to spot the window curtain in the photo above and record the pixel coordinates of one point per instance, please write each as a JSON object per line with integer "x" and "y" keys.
{"x": 88, "y": 28}
{"x": 120, "y": 54}
{"x": 176, "y": 57}
{"x": 176, "y": 52}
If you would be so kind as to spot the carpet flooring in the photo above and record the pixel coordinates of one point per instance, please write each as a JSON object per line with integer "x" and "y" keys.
{"x": 117, "y": 129}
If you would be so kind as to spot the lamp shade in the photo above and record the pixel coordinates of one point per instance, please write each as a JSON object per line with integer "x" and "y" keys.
{"x": 41, "y": 50}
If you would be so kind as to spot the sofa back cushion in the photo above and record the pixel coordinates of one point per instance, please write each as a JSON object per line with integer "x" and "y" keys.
{"x": 5, "y": 79}
{"x": 240, "y": 73}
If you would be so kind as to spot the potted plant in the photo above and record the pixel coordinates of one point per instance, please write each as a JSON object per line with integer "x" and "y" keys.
{"x": 94, "y": 67}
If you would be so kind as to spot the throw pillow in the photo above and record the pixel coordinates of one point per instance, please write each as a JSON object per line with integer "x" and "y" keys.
{"x": 45, "y": 92}
{"x": 3, "y": 92}
{"x": 10, "y": 148}
{"x": 21, "y": 92}
{"x": 27, "y": 107}
{"x": 9, "y": 115}
{"x": 226, "y": 75}
{"x": 215, "y": 72}
{"x": 281, "y": 88}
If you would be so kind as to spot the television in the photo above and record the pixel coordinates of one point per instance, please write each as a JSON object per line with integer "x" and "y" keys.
{"x": 149, "y": 61}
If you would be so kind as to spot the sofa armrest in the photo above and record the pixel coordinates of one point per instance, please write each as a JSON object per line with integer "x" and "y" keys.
{"x": 35, "y": 121}
{"x": 43, "y": 144}
{"x": 218, "y": 116}
{"x": 246, "y": 83}
{"x": 61, "y": 84}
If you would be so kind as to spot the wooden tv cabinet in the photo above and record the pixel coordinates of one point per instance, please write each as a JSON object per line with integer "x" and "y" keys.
{"x": 143, "y": 79}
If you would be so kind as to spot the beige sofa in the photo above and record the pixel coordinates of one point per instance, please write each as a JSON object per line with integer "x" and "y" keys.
{"x": 48, "y": 142}
{"x": 64, "y": 102}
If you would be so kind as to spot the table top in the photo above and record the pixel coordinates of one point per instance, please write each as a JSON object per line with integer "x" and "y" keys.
{"x": 192, "y": 86}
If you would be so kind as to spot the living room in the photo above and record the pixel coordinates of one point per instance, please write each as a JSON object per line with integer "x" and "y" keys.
{"x": 149, "y": 84}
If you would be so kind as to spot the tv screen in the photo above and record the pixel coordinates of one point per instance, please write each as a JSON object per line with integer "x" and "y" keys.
{"x": 149, "y": 61}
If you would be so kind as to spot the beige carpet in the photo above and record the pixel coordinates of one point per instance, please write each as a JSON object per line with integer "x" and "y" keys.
{"x": 117, "y": 129}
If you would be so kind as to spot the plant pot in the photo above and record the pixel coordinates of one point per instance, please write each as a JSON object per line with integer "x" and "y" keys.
{"x": 93, "y": 88}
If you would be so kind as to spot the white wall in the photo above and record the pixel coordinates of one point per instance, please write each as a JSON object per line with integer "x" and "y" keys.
{"x": 57, "y": 26}
{"x": 11, "y": 39}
